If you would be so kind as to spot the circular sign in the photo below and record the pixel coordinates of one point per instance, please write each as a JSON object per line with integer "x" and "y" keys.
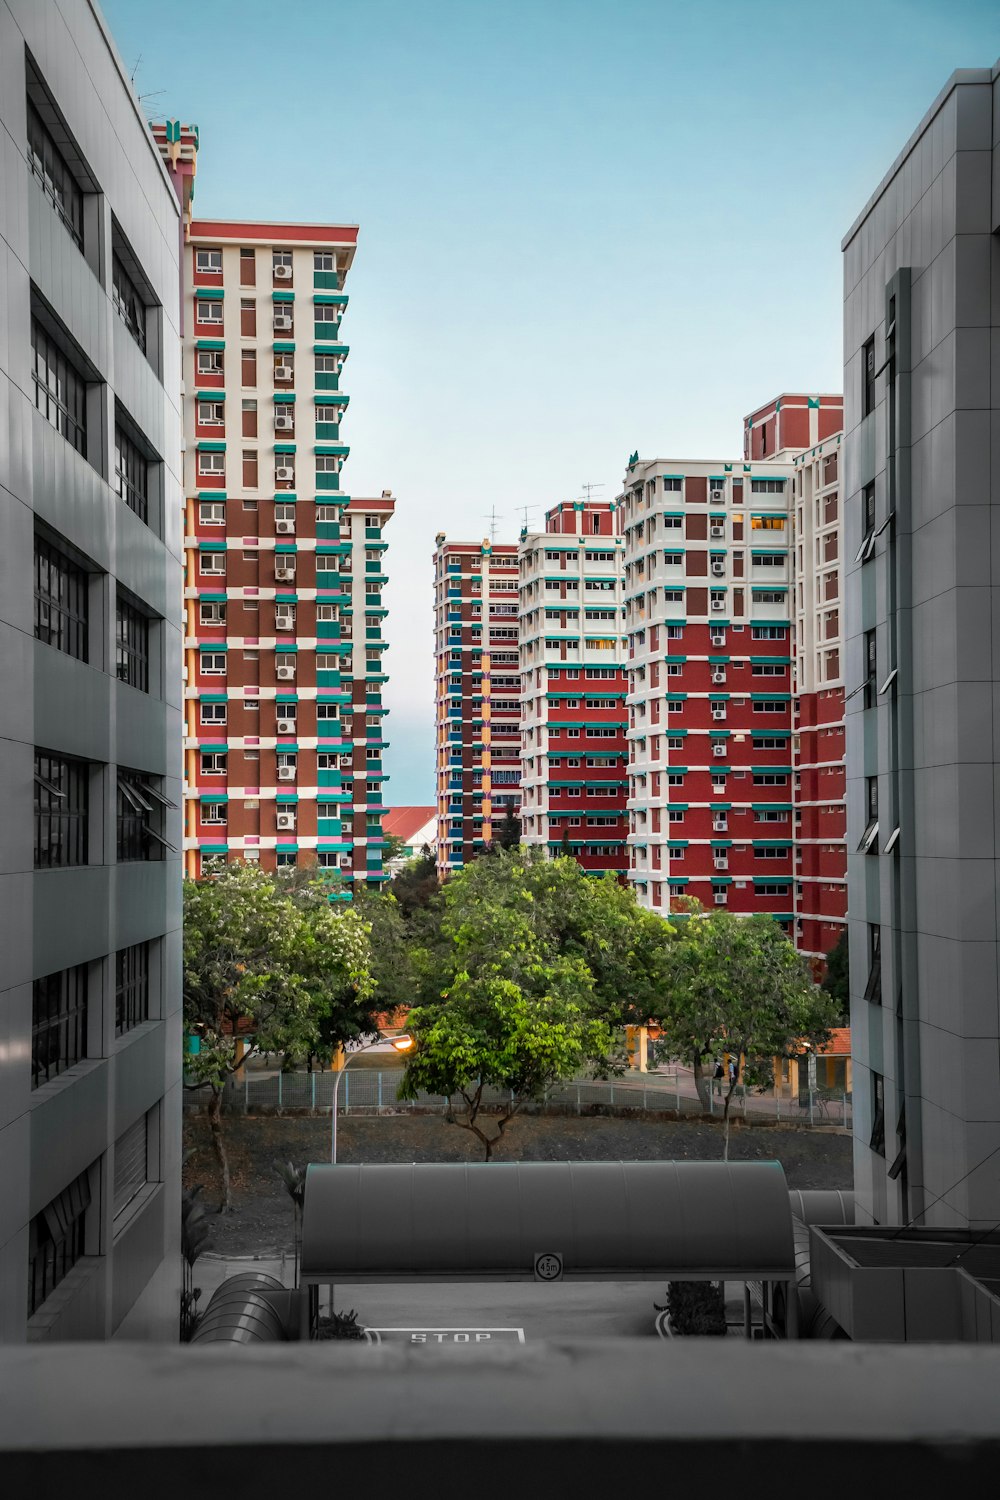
{"x": 548, "y": 1266}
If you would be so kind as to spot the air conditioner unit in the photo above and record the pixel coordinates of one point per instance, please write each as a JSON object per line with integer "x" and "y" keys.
{"x": 285, "y": 674}
{"x": 282, "y": 273}
{"x": 284, "y": 572}
{"x": 719, "y": 569}
{"x": 285, "y": 528}
{"x": 283, "y": 622}
{"x": 718, "y": 749}
{"x": 285, "y": 820}
{"x": 346, "y": 861}
{"x": 718, "y": 676}
{"x": 284, "y": 424}
{"x": 284, "y": 474}
{"x": 718, "y": 494}
{"x": 717, "y": 531}
{"x": 286, "y": 726}
{"x": 721, "y": 898}
{"x": 720, "y": 826}
{"x": 281, "y": 321}
{"x": 718, "y": 713}
{"x": 721, "y": 862}
{"x": 718, "y": 605}
{"x": 286, "y": 773}
{"x": 283, "y": 373}
{"x": 718, "y": 640}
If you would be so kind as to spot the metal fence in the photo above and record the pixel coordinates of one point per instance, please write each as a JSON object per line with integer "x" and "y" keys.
{"x": 368, "y": 1091}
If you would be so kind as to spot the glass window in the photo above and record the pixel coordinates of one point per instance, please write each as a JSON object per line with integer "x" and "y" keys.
{"x": 58, "y": 183}
{"x": 131, "y": 1155}
{"x": 132, "y": 645}
{"x": 58, "y": 1023}
{"x": 208, "y": 261}
{"x": 60, "y": 390}
{"x": 131, "y": 987}
{"x": 61, "y": 601}
{"x": 131, "y": 474}
{"x": 128, "y": 302}
{"x": 61, "y": 801}
{"x": 139, "y": 805}
{"x": 868, "y": 377}
{"x": 56, "y": 1241}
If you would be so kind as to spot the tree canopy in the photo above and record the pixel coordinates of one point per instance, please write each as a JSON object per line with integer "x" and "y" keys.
{"x": 736, "y": 984}
{"x": 271, "y": 964}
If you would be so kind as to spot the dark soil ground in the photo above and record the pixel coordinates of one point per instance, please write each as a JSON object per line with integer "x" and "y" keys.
{"x": 261, "y": 1223}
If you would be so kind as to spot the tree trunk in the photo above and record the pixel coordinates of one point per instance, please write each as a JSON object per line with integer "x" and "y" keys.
{"x": 219, "y": 1145}
{"x": 701, "y": 1083}
{"x": 725, "y": 1120}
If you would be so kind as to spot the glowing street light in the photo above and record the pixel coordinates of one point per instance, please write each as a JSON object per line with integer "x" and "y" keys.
{"x": 402, "y": 1043}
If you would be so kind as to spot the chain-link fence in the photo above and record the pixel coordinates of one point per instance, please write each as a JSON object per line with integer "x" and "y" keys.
{"x": 370, "y": 1091}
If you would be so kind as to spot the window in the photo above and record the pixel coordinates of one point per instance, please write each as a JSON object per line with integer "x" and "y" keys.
{"x": 324, "y": 261}
{"x": 57, "y": 181}
{"x": 212, "y": 564}
{"x": 56, "y": 1241}
{"x": 876, "y": 1141}
{"x": 213, "y": 713}
{"x": 209, "y": 262}
{"x": 248, "y": 267}
{"x": 139, "y": 802}
{"x": 213, "y": 762}
{"x": 769, "y": 669}
{"x": 281, "y": 265}
{"x": 767, "y": 486}
{"x": 250, "y": 477}
{"x": 60, "y": 389}
{"x": 768, "y": 559}
{"x": 869, "y": 839}
{"x": 128, "y": 302}
{"x": 767, "y": 523}
{"x": 212, "y": 613}
{"x": 868, "y": 524}
{"x": 769, "y": 706}
{"x": 210, "y": 362}
{"x": 328, "y": 364}
{"x": 212, "y": 513}
{"x": 248, "y": 367}
{"x": 61, "y": 601}
{"x": 769, "y": 778}
{"x": 131, "y": 987}
{"x": 871, "y": 669}
{"x": 61, "y": 801}
{"x": 210, "y": 463}
{"x": 211, "y": 413}
{"x": 325, "y": 312}
{"x": 132, "y": 645}
{"x": 768, "y": 633}
{"x": 207, "y": 310}
{"x": 873, "y": 988}
{"x": 214, "y": 813}
{"x": 132, "y": 473}
{"x": 868, "y": 378}
{"x": 131, "y": 1155}
{"x": 58, "y": 1023}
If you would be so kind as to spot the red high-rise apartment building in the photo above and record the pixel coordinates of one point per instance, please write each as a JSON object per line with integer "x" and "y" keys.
{"x": 709, "y": 573}
{"x": 477, "y": 695}
{"x": 283, "y": 599}
{"x": 573, "y": 686}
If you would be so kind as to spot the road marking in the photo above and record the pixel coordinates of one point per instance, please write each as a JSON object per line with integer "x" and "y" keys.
{"x": 421, "y": 1337}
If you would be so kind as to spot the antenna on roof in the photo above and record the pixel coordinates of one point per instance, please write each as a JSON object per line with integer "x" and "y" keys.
{"x": 588, "y": 490}
{"x": 525, "y": 510}
{"x": 493, "y": 518}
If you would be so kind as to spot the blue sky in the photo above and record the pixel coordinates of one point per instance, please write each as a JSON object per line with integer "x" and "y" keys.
{"x": 585, "y": 228}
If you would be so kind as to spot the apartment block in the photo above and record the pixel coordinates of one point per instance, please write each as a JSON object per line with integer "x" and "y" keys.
{"x": 709, "y": 560}
{"x": 922, "y": 649}
{"x": 573, "y": 687}
{"x": 284, "y": 614}
{"x": 819, "y": 783}
{"x": 477, "y": 695}
{"x": 90, "y": 715}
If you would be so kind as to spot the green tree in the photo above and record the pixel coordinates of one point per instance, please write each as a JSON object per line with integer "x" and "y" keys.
{"x": 392, "y": 957}
{"x": 270, "y": 965}
{"x": 393, "y": 847}
{"x": 528, "y": 979}
{"x": 417, "y": 883}
{"x": 837, "y": 979}
{"x": 737, "y": 984}
{"x": 508, "y": 835}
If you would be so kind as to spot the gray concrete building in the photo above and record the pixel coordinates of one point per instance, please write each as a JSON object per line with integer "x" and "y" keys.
{"x": 90, "y": 688}
{"x": 922, "y": 418}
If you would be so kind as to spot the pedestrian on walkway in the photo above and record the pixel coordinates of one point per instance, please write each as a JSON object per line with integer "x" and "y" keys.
{"x": 734, "y": 1071}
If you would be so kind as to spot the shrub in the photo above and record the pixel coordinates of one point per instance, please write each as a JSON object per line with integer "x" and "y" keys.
{"x": 697, "y": 1307}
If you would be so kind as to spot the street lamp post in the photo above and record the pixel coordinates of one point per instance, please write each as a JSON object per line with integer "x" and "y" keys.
{"x": 401, "y": 1043}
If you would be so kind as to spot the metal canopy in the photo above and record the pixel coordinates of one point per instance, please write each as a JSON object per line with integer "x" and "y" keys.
{"x": 483, "y": 1221}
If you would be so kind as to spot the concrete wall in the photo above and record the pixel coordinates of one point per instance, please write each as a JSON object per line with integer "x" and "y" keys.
{"x": 52, "y": 919}
{"x": 930, "y": 591}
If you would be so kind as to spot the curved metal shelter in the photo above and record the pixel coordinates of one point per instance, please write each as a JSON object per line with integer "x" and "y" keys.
{"x": 605, "y": 1220}
{"x": 240, "y": 1312}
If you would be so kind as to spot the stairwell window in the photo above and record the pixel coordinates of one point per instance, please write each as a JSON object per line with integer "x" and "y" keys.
{"x": 61, "y": 807}
{"x": 868, "y": 377}
{"x": 131, "y": 645}
{"x": 140, "y": 807}
{"x": 131, "y": 987}
{"x": 52, "y": 171}
{"x": 61, "y": 601}
{"x": 132, "y": 474}
{"x": 58, "y": 1023}
{"x": 56, "y": 1241}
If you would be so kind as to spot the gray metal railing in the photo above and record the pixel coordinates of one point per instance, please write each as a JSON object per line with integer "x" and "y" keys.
{"x": 370, "y": 1091}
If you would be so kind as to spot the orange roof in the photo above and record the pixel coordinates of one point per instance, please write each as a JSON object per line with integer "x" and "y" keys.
{"x": 406, "y": 822}
{"x": 839, "y": 1044}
